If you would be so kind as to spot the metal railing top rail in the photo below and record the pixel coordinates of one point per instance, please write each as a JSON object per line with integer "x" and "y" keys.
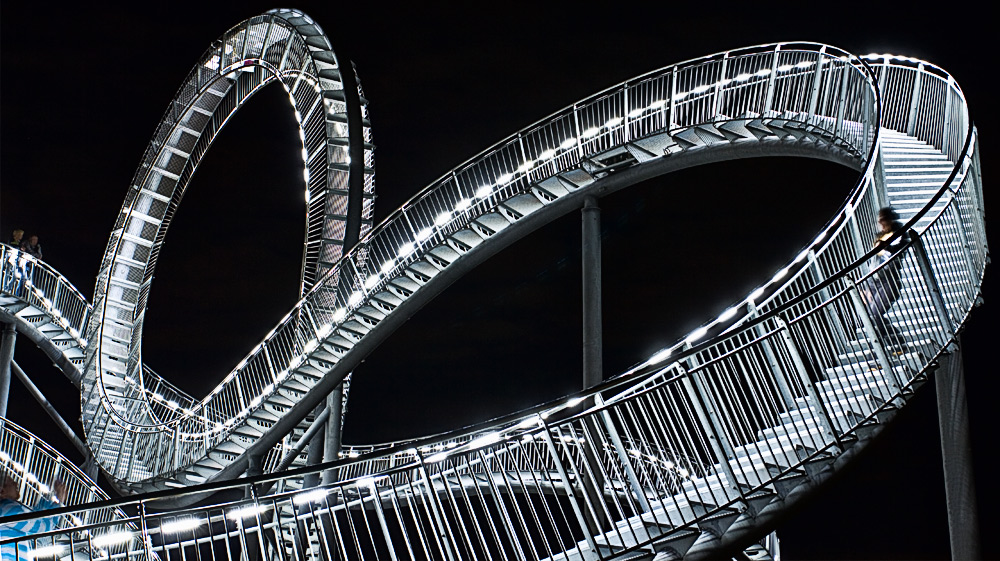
{"x": 536, "y": 415}
{"x": 757, "y": 49}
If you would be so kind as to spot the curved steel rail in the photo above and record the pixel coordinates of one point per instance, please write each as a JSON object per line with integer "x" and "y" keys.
{"x": 785, "y": 383}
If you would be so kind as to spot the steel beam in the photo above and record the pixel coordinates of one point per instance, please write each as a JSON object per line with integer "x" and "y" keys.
{"x": 956, "y": 456}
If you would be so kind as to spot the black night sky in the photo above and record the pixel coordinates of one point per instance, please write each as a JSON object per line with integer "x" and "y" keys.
{"x": 83, "y": 88}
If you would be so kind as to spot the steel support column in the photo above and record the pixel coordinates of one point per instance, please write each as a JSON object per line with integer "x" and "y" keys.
{"x": 956, "y": 455}
{"x": 334, "y": 422}
{"x": 592, "y": 335}
{"x": 316, "y": 440}
{"x": 9, "y": 335}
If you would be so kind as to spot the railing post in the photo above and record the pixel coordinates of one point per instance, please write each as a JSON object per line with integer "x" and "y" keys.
{"x": 940, "y": 308}
{"x": 626, "y": 133}
{"x": 947, "y": 118}
{"x": 911, "y": 119}
{"x": 884, "y": 75}
{"x": 718, "y": 87}
{"x": 55, "y": 295}
{"x": 622, "y": 454}
{"x": 578, "y": 132}
{"x": 147, "y": 540}
{"x": 832, "y": 318}
{"x": 574, "y": 501}
{"x": 868, "y": 125}
{"x": 841, "y": 101}
{"x": 812, "y": 394}
{"x": 769, "y": 96}
{"x": 176, "y": 448}
{"x": 852, "y": 223}
{"x": 772, "y": 361}
{"x": 444, "y": 535}
{"x": 878, "y": 176}
{"x": 963, "y": 237}
{"x": 704, "y": 407}
{"x": 671, "y": 121}
{"x": 869, "y": 327}
{"x": 377, "y": 499}
{"x": 817, "y": 78}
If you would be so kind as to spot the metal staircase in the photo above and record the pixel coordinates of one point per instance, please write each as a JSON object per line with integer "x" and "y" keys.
{"x": 689, "y": 453}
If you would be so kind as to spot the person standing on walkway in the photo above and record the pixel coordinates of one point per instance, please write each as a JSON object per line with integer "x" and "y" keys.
{"x": 32, "y": 247}
{"x": 883, "y": 287}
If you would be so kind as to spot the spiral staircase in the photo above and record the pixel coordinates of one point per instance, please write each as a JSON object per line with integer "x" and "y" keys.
{"x": 695, "y": 451}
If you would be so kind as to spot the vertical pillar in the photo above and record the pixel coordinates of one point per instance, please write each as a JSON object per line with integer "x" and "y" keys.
{"x": 6, "y": 357}
{"x": 592, "y": 335}
{"x": 333, "y": 440}
{"x": 956, "y": 455}
{"x": 315, "y": 453}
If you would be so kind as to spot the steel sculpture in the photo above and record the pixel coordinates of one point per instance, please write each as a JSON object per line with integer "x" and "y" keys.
{"x": 695, "y": 449}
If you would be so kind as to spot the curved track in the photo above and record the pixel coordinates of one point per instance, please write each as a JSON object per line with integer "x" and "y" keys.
{"x": 695, "y": 449}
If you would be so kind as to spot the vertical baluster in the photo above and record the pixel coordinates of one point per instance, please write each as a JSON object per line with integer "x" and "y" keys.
{"x": 571, "y": 494}
{"x": 877, "y": 347}
{"x": 622, "y": 454}
{"x": 708, "y": 417}
{"x": 769, "y": 96}
{"x": 911, "y": 118}
{"x": 817, "y": 406}
{"x": 940, "y": 308}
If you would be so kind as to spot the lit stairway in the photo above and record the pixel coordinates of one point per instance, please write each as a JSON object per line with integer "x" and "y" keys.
{"x": 852, "y": 391}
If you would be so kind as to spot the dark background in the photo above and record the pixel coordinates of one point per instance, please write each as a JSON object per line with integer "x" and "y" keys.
{"x": 83, "y": 89}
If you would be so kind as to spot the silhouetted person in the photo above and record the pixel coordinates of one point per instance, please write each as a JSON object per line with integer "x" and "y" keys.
{"x": 882, "y": 289}
{"x": 32, "y": 247}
